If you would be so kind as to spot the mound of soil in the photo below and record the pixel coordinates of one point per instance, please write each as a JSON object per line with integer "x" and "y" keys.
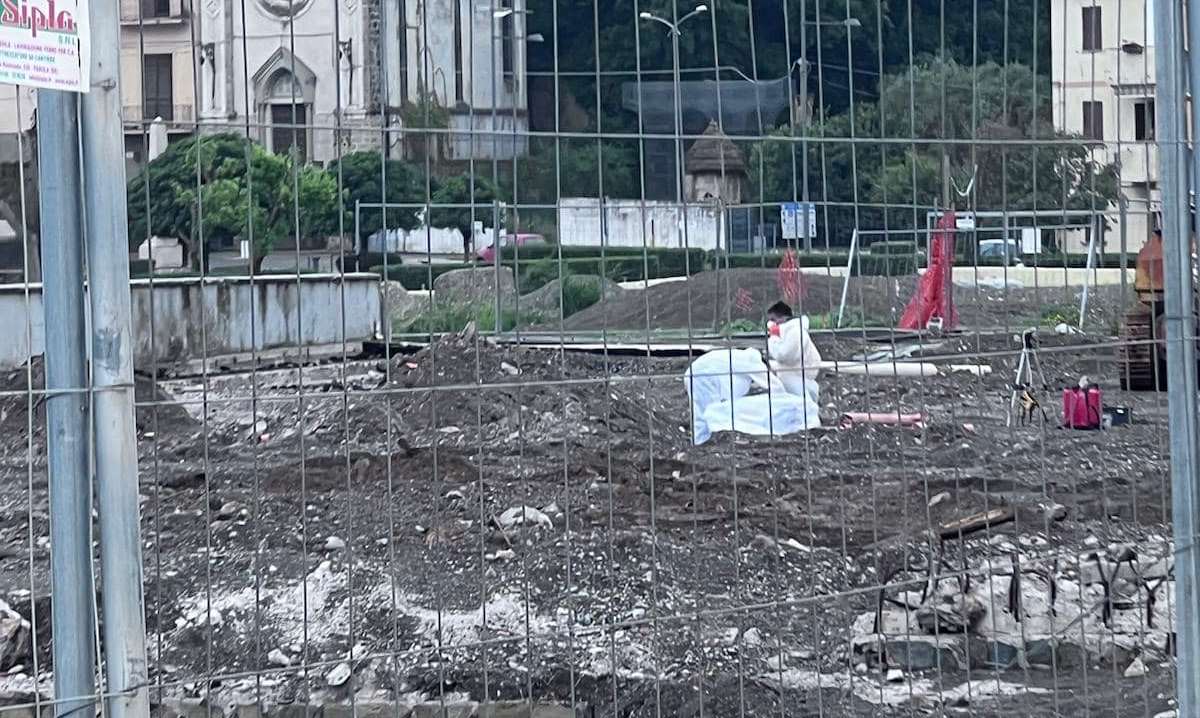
{"x": 709, "y": 300}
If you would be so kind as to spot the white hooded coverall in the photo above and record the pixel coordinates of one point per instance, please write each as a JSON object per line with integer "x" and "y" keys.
{"x": 795, "y": 359}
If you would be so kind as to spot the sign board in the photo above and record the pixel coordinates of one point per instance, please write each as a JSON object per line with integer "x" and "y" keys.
{"x": 964, "y": 220}
{"x": 45, "y": 43}
{"x": 799, "y": 219}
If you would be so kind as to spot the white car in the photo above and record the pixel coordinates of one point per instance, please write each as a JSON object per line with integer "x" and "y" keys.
{"x": 996, "y": 249}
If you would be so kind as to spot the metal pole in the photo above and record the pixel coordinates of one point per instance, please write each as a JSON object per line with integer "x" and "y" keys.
{"x": 112, "y": 373}
{"x": 1087, "y": 269}
{"x": 678, "y": 122}
{"x": 498, "y": 247}
{"x": 846, "y": 280}
{"x": 71, "y": 584}
{"x": 1171, "y": 94}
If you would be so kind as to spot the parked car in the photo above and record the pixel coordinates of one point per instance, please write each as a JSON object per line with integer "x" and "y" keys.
{"x": 1008, "y": 252}
{"x": 488, "y": 253}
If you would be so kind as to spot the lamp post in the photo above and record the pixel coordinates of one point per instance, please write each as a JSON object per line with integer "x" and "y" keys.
{"x": 673, "y": 31}
{"x": 803, "y": 63}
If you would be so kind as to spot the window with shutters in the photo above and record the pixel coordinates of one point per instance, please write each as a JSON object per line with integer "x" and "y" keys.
{"x": 158, "y": 88}
{"x": 1092, "y": 40}
{"x": 1093, "y": 120}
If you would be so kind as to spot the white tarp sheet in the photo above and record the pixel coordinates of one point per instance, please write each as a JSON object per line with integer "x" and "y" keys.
{"x": 719, "y": 383}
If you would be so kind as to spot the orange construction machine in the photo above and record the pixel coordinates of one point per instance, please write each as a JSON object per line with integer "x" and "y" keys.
{"x": 1143, "y": 351}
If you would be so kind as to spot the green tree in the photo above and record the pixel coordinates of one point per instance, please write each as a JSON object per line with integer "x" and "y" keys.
{"x": 278, "y": 199}
{"x": 461, "y": 200}
{"x": 579, "y": 167}
{"x": 161, "y": 198}
{"x": 200, "y": 192}
{"x": 363, "y": 179}
{"x": 1033, "y": 168}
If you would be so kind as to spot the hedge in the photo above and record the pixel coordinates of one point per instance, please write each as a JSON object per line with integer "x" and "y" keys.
{"x": 670, "y": 259}
{"x": 416, "y": 276}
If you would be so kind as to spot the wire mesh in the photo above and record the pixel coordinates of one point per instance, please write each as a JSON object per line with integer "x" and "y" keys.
{"x": 437, "y": 301}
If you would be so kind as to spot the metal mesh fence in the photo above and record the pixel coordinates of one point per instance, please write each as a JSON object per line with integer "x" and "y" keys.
{"x": 461, "y": 388}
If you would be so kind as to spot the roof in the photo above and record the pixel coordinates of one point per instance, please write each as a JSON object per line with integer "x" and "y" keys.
{"x": 714, "y": 152}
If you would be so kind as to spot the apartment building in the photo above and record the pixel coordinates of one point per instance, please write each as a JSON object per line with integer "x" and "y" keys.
{"x": 1103, "y": 89}
{"x": 157, "y": 72}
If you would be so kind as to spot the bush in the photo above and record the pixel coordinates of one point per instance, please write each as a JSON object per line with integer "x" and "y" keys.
{"x": 417, "y": 276}
{"x": 670, "y": 262}
{"x": 579, "y": 293}
{"x": 371, "y": 259}
{"x": 892, "y": 247}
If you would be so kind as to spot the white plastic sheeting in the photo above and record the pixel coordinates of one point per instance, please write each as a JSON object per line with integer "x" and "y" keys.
{"x": 719, "y": 384}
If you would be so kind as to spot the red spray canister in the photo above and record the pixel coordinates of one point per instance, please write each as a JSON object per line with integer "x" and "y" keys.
{"x": 1082, "y": 406}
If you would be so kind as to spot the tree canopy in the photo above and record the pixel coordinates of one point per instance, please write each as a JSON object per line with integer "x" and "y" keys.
{"x": 224, "y": 188}
{"x": 891, "y": 153}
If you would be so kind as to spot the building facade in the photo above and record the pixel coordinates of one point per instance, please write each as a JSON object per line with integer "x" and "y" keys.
{"x": 158, "y": 77}
{"x": 320, "y": 77}
{"x": 1103, "y": 89}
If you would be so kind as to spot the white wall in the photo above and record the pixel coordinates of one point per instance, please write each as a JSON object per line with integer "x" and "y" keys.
{"x": 630, "y": 223}
{"x": 222, "y": 316}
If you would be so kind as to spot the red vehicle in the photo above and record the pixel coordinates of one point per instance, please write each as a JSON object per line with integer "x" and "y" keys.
{"x": 488, "y": 253}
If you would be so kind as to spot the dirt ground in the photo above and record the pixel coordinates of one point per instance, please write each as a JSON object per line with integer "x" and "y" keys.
{"x": 371, "y": 514}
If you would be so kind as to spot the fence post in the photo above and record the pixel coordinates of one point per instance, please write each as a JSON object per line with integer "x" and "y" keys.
{"x": 1171, "y": 92}
{"x": 112, "y": 344}
{"x": 71, "y": 584}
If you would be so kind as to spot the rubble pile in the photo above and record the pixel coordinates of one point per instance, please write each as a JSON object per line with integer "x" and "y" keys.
{"x": 1098, "y": 609}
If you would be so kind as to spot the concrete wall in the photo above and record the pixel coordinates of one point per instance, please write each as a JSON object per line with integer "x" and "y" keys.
{"x": 631, "y": 223}
{"x": 222, "y": 316}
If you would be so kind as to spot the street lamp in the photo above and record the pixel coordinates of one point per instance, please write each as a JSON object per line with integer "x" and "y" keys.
{"x": 804, "y": 65}
{"x": 673, "y": 31}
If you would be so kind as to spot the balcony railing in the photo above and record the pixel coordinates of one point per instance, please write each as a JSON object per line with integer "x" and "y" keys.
{"x": 138, "y": 114}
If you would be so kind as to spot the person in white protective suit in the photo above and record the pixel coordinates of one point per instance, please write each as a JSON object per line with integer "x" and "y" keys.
{"x": 719, "y": 384}
{"x": 792, "y": 355}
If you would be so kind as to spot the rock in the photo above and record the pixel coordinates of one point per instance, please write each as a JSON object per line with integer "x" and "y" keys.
{"x": 1136, "y": 669}
{"x": 1160, "y": 569}
{"x": 1055, "y": 512}
{"x": 764, "y": 542}
{"x": 476, "y": 284}
{"x": 446, "y": 710}
{"x": 509, "y": 369}
{"x": 894, "y": 675}
{"x": 400, "y": 305}
{"x": 278, "y": 658}
{"x": 16, "y": 642}
{"x": 228, "y": 510}
{"x": 1091, "y": 541}
{"x": 938, "y": 498}
{"x": 751, "y": 637}
{"x": 520, "y": 515}
{"x": 339, "y": 675}
{"x": 501, "y": 555}
{"x": 333, "y": 543}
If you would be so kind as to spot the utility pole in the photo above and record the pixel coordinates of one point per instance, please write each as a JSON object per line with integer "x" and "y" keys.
{"x": 1171, "y": 90}
{"x": 112, "y": 373}
{"x": 71, "y": 585}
